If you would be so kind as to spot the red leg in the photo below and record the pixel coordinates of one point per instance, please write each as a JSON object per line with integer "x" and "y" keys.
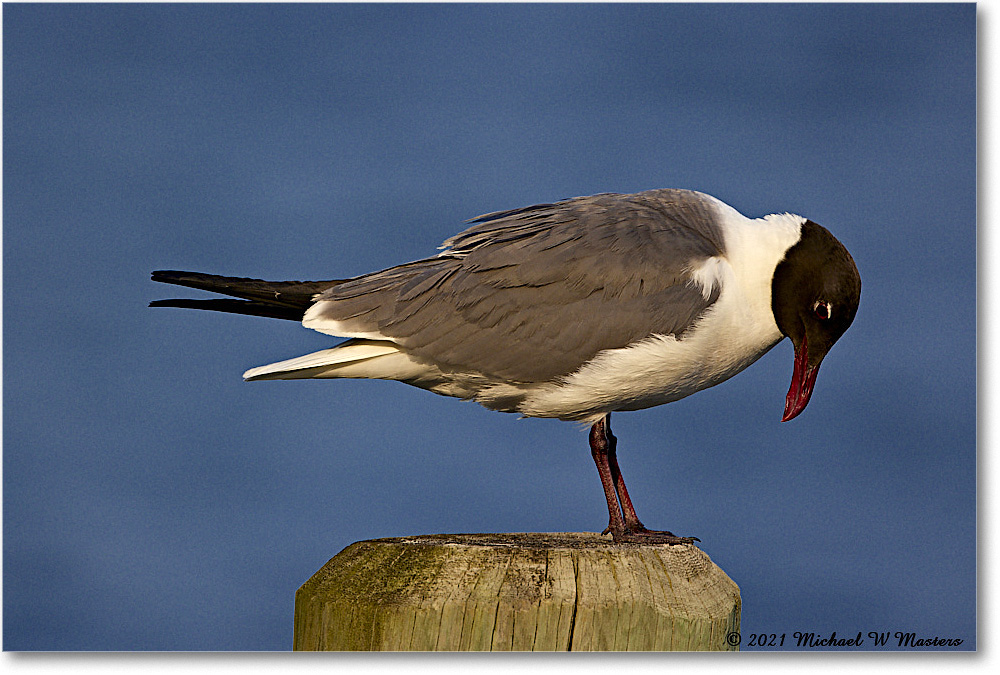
{"x": 603, "y": 447}
{"x": 631, "y": 520}
{"x": 599, "y": 450}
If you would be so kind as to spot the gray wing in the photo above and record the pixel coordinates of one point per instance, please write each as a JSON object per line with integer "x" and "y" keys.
{"x": 532, "y": 294}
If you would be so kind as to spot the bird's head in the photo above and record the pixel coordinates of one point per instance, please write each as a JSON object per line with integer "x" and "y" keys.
{"x": 814, "y": 296}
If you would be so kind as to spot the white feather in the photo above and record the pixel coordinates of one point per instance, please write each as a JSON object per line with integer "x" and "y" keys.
{"x": 315, "y": 320}
{"x": 348, "y": 353}
{"x": 708, "y": 275}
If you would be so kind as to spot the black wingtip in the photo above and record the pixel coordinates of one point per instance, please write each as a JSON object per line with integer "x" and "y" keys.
{"x": 275, "y": 299}
{"x": 177, "y": 276}
{"x": 177, "y": 302}
{"x": 245, "y": 307}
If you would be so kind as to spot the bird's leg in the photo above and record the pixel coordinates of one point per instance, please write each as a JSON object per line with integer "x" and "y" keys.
{"x": 599, "y": 445}
{"x": 631, "y": 520}
{"x": 603, "y": 447}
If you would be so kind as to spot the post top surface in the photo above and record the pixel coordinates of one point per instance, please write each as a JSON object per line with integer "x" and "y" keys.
{"x": 530, "y": 540}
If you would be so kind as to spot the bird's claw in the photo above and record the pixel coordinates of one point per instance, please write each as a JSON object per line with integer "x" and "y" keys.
{"x": 642, "y": 535}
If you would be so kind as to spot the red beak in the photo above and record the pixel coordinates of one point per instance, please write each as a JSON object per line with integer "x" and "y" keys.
{"x": 803, "y": 379}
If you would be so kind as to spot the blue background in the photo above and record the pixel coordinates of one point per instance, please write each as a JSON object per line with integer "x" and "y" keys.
{"x": 152, "y": 500}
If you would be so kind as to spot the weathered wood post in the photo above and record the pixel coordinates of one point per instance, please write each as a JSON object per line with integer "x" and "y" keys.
{"x": 523, "y": 592}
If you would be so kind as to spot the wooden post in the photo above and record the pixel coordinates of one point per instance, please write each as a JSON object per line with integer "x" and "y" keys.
{"x": 523, "y": 592}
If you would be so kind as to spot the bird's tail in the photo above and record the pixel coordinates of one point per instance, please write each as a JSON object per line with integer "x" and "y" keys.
{"x": 274, "y": 299}
{"x": 352, "y": 358}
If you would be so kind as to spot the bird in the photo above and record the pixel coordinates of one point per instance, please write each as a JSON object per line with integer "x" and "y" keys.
{"x": 573, "y": 310}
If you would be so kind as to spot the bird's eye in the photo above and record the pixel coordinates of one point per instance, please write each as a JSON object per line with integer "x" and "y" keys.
{"x": 822, "y": 310}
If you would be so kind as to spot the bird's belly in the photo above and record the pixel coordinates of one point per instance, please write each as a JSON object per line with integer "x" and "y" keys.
{"x": 657, "y": 370}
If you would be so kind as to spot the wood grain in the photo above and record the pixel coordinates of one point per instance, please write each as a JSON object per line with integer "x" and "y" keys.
{"x": 521, "y": 592}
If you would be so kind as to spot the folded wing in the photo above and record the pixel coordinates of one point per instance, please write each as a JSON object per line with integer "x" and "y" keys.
{"x": 532, "y": 294}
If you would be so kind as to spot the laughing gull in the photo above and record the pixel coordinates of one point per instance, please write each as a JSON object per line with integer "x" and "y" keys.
{"x": 575, "y": 310}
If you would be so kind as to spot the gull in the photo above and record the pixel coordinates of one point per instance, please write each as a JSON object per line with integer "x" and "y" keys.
{"x": 574, "y": 310}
